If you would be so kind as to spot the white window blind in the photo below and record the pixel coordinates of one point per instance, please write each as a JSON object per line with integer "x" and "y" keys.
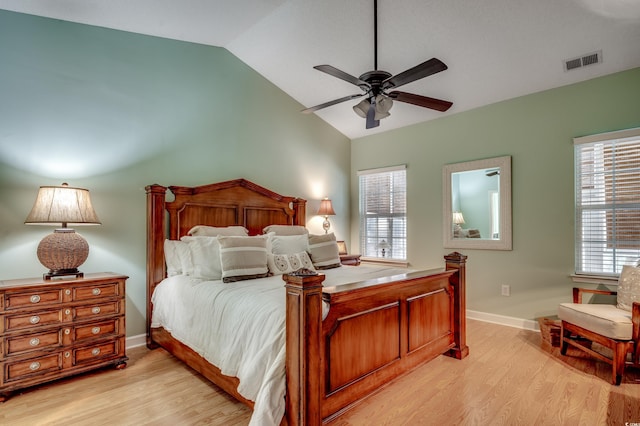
{"x": 383, "y": 213}
{"x": 607, "y": 183}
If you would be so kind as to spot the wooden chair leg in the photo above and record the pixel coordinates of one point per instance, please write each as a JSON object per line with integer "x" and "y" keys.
{"x": 563, "y": 342}
{"x": 618, "y": 361}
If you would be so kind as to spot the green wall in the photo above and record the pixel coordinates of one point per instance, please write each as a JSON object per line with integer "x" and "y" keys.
{"x": 113, "y": 111}
{"x": 537, "y": 131}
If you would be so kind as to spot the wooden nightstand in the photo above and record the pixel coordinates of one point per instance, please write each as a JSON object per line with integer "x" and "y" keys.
{"x": 57, "y": 328}
{"x": 350, "y": 259}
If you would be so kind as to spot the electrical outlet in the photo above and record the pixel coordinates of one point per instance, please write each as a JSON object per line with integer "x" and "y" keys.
{"x": 506, "y": 290}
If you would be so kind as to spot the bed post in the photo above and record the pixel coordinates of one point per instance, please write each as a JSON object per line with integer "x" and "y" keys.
{"x": 458, "y": 261}
{"x": 299, "y": 207}
{"x": 303, "y": 343}
{"x": 155, "y": 240}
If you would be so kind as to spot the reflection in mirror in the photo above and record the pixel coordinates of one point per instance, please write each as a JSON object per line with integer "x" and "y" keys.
{"x": 477, "y": 204}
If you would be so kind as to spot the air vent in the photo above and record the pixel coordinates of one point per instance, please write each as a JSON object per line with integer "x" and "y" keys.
{"x": 583, "y": 61}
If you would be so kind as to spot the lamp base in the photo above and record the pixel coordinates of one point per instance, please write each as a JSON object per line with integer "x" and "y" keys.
{"x": 62, "y": 273}
{"x": 326, "y": 225}
{"x": 62, "y": 252}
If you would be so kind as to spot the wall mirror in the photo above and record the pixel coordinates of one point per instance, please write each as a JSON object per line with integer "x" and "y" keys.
{"x": 477, "y": 204}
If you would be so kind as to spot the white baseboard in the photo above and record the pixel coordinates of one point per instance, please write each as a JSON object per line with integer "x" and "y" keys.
{"x": 503, "y": 320}
{"x": 135, "y": 341}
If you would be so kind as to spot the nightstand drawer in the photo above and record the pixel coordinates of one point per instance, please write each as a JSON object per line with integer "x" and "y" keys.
{"x": 96, "y": 352}
{"x": 32, "y": 299}
{"x": 100, "y": 291}
{"x": 33, "y": 319}
{"x": 31, "y": 342}
{"x": 98, "y": 329}
{"x": 35, "y": 366}
{"x": 84, "y": 312}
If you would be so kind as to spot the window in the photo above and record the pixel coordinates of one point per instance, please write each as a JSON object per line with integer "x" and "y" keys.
{"x": 607, "y": 186}
{"x": 383, "y": 213}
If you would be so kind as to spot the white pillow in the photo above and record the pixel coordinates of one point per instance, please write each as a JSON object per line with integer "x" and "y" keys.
{"x": 177, "y": 257}
{"x": 286, "y": 263}
{"x": 205, "y": 255}
{"x": 214, "y": 231}
{"x": 243, "y": 258}
{"x": 628, "y": 287}
{"x": 286, "y": 230}
{"x": 324, "y": 251}
{"x": 288, "y": 244}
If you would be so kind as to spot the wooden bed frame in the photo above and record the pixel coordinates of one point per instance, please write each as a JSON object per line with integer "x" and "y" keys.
{"x": 375, "y": 331}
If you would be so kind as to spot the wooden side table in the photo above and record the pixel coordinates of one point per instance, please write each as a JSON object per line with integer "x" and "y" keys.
{"x": 350, "y": 259}
{"x": 56, "y": 328}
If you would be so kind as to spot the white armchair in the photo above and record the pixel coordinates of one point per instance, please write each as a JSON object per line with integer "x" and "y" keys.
{"x": 614, "y": 326}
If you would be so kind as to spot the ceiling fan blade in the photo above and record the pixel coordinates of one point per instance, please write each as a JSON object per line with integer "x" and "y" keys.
{"x": 371, "y": 114}
{"x": 422, "y": 101}
{"x": 330, "y": 103}
{"x": 425, "y": 69}
{"x": 331, "y": 70}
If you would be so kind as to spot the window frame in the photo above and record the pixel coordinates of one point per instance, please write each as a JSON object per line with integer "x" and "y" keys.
{"x": 601, "y": 176}
{"x": 392, "y": 216}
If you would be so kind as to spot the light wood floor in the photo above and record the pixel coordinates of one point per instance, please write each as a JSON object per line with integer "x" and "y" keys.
{"x": 509, "y": 378}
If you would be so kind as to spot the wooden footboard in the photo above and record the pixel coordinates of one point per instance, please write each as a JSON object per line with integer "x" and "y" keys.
{"x": 374, "y": 332}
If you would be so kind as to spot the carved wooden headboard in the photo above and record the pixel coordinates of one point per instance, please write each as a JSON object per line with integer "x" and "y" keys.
{"x": 234, "y": 202}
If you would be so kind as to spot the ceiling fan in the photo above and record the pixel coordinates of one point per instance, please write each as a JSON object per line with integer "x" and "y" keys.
{"x": 377, "y": 83}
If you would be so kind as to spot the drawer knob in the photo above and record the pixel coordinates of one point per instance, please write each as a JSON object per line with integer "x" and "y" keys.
{"x": 95, "y": 310}
{"x": 34, "y": 319}
{"x": 67, "y": 354}
{"x": 67, "y": 331}
{"x": 96, "y": 292}
{"x": 95, "y": 330}
{"x": 95, "y": 352}
{"x": 67, "y": 292}
{"x": 34, "y": 342}
{"x": 67, "y": 311}
{"x": 35, "y": 298}
{"x": 34, "y": 366}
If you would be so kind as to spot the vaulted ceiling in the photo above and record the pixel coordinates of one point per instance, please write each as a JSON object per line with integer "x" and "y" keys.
{"x": 494, "y": 49}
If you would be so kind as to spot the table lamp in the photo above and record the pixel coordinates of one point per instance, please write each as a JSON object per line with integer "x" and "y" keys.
{"x": 63, "y": 250}
{"x": 326, "y": 210}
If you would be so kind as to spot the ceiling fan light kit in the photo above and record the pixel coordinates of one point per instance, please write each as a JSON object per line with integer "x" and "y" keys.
{"x": 376, "y": 85}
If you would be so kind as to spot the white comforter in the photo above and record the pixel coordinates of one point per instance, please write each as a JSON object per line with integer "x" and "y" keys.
{"x": 240, "y": 328}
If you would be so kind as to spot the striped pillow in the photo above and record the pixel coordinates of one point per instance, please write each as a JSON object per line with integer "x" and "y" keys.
{"x": 324, "y": 251}
{"x": 243, "y": 258}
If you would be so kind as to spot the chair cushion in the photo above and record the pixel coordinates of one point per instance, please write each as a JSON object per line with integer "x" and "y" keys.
{"x": 606, "y": 320}
{"x": 628, "y": 287}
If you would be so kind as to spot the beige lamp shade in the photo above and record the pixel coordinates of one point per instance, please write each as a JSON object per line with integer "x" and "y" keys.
{"x": 62, "y": 205}
{"x": 64, "y": 250}
{"x": 458, "y": 218}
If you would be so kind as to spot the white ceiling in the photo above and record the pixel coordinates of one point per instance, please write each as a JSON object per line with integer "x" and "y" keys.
{"x": 495, "y": 49}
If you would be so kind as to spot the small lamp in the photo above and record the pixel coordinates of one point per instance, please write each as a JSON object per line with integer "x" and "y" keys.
{"x": 384, "y": 246}
{"x": 326, "y": 210}
{"x": 457, "y": 220}
{"x": 64, "y": 250}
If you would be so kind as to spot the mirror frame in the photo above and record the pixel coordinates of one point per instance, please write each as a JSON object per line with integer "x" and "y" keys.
{"x": 505, "y": 241}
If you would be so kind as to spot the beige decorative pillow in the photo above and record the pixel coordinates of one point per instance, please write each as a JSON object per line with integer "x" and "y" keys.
{"x": 214, "y": 231}
{"x": 287, "y": 244}
{"x": 286, "y": 263}
{"x": 243, "y": 258}
{"x": 286, "y": 230}
{"x": 628, "y": 287}
{"x": 324, "y": 251}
